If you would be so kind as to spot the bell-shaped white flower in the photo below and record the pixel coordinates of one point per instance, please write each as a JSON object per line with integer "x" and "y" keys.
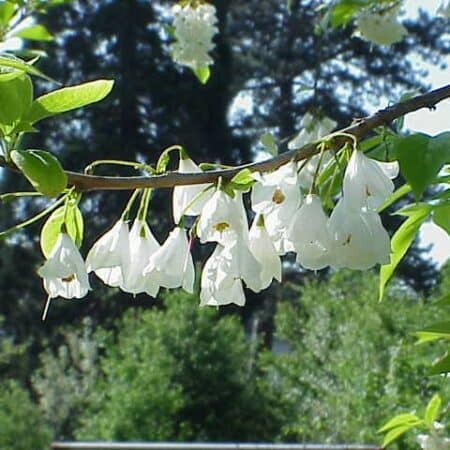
{"x": 143, "y": 246}
{"x": 222, "y": 219}
{"x": 173, "y": 262}
{"x": 264, "y": 251}
{"x": 189, "y": 200}
{"x": 310, "y": 235}
{"x": 381, "y": 28}
{"x": 276, "y": 195}
{"x": 110, "y": 255}
{"x": 367, "y": 182}
{"x": 312, "y": 129}
{"x": 194, "y": 29}
{"x": 219, "y": 283}
{"x": 64, "y": 272}
{"x": 359, "y": 239}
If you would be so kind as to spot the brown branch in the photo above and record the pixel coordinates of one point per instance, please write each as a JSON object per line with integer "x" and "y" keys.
{"x": 358, "y": 129}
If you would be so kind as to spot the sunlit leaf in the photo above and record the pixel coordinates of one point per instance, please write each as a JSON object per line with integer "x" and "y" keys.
{"x": 67, "y": 99}
{"x": 42, "y": 170}
{"x": 402, "y": 241}
{"x": 433, "y": 410}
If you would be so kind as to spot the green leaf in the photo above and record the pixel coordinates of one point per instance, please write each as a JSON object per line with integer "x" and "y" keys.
{"x": 7, "y": 10}
{"x": 440, "y": 330}
{"x": 70, "y": 98}
{"x": 441, "y": 216}
{"x": 16, "y": 96}
{"x": 395, "y": 196}
{"x": 402, "y": 240}
{"x": 52, "y": 227}
{"x": 344, "y": 11}
{"x": 203, "y": 74}
{"x": 441, "y": 366}
{"x": 42, "y": 170}
{"x": 35, "y": 33}
{"x": 421, "y": 157}
{"x": 400, "y": 420}
{"x": 245, "y": 176}
{"x": 18, "y": 64}
{"x": 269, "y": 143}
{"x": 395, "y": 433}
{"x": 433, "y": 409}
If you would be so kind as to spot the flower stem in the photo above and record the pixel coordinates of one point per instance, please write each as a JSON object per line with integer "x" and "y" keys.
{"x": 33, "y": 219}
{"x": 126, "y": 211}
{"x": 116, "y": 162}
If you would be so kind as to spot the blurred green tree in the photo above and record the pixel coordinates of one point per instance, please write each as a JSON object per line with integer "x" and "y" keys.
{"x": 22, "y": 426}
{"x": 352, "y": 362}
{"x": 182, "y": 373}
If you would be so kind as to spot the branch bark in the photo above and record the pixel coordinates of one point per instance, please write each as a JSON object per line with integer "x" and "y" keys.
{"x": 358, "y": 129}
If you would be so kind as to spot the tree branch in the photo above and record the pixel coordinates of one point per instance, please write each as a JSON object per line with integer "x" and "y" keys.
{"x": 358, "y": 129}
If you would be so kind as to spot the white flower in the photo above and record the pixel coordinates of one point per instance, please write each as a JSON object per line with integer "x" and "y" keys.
{"x": 367, "y": 182}
{"x": 222, "y": 219}
{"x": 194, "y": 29}
{"x": 142, "y": 247}
{"x": 110, "y": 255}
{"x": 189, "y": 200}
{"x": 173, "y": 263}
{"x": 223, "y": 273}
{"x": 219, "y": 284}
{"x": 359, "y": 239}
{"x": 265, "y": 253}
{"x": 444, "y": 9}
{"x": 277, "y": 195}
{"x": 310, "y": 235}
{"x": 64, "y": 272}
{"x": 312, "y": 129}
{"x": 433, "y": 442}
{"x": 381, "y": 28}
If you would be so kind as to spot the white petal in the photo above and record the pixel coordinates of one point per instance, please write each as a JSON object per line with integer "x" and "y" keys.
{"x": 310, "y": 236}
{"x": 184, "y": 196}
{"x": 359, "y": 239}
{"x": 265, "y": 253}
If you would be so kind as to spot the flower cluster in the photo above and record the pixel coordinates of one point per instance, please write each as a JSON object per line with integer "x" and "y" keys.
{"x": 194, "y": 29}
{"x": 284, "y": 220}
{"x": 380, "y": 27}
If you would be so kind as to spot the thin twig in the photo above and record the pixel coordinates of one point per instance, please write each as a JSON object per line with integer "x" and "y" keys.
{"x": 359, "y": 129}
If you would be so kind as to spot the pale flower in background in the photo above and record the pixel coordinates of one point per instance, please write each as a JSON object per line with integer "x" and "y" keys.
{"x": 172, "y": 263}
{"x": 359, "y": 239}
{"x": 264, "y": 251}
{"x": 310, "y": 235}
{"x": 110, "y": 255}
{"x": 444, "y": 9}
{"x": 433, "y": 442}
{"x": 194, "y": 29}
{"x": 143, "y": 246}
{"x": 312, "y": 129}
{"x": 381, "y": 28}
{"x": 367, "y": 182}
{"x": 64, "y": 272}
{"x": 189, "y": 200}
